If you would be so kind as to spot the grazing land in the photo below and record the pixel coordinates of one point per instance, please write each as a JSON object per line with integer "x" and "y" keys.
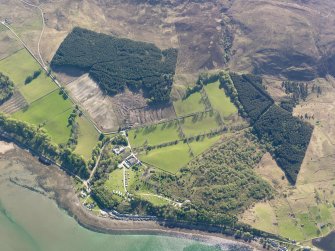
{"x": 293, "y": 48}
{"x": 200, "y": 123}
{"x": 18, "y": 67}
{"x": 51, "y": 111}
{"x": 307, "y": 210}
{"x": 219, "y": 100}
{"x": 192, "y": 104}
{"x": 154, "y": 134}
{"x": 169, "y": 158}
{"x": 116, "y": 63}
{"x": 87, "y": 138}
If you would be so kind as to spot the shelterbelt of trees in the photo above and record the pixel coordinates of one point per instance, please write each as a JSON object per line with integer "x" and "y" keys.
{"x": 6, "y": 88}
{"x": 39, "y": 141}
{"x": 286, "y": 136}
{"x": 115, "y": 63}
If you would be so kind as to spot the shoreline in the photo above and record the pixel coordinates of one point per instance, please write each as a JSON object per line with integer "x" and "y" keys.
{"x": 60, "y": 187}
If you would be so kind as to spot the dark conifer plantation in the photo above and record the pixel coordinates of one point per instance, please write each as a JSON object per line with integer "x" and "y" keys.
{"x": 115, "y": 63}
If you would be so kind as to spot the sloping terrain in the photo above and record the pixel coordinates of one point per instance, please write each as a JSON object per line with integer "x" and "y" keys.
{"x": 280, "y": 39}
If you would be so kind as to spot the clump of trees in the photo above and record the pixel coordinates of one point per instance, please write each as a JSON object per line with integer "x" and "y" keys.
{"x": 287, "y": 137}
{"x": 6, "y": 88}
{"x": 37, "y": 139}
{"x": 33, "y": 76}
{"x": 73, "y": 140}
{"x": 297, "y": 91}
{"x": 120, "y": 140}
{"x": 250, "y": 94}
{"x": 115, "y": 63}
{"x": 218, "y": 184}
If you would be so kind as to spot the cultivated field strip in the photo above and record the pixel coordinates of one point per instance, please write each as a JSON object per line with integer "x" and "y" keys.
{"x": 14, "y": 104}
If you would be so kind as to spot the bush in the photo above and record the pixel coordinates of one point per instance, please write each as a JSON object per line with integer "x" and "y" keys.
{"x": 6, "y": 88}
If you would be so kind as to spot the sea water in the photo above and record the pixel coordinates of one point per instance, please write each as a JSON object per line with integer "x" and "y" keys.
{"x": 31, "y": 221}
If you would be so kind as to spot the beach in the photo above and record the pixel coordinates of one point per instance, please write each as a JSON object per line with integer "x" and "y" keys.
{"x": 57, "y": 185}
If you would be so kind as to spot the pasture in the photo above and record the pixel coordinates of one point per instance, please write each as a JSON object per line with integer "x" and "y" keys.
{"x": 52, "y": 111}
{"x": 170, "y": 158}
{"x": 18, "y": 67}
{"x": 154, "y": 134}
{"x": 87, "y": 138}
{"x": 191, "y": 104}
{"x": 199, "y": 124}
{"x": 219, "y": 100}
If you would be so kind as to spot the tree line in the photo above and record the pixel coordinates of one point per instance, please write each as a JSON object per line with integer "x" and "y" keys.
{"x": 37, "y": 139}
{"x": 6, "y": 88}
{"x": 115, "y": 63}
{"x": 32, "y": 76}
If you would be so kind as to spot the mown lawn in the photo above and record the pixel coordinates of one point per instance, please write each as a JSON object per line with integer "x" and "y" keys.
{"x": 18, "y": 67}
{"x": 51, "y": 110}
{"x": 203, "y": 144}
{"x": 155, "y": 200}
{"x": 219, "y": 100}
{"x": 154, "y": 134}
{"x": 87, "y": 138}
{"x": 199, "y": 124}
{"x": 191, "y": 104}
{"x": 115, "y": 181}
{"x": 170, "y": 158}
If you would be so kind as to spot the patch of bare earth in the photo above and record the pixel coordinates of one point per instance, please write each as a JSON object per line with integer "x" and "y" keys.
{"x": 99, "y": 106}
{"x": 122, "y": 110}
{"x": 271, "y": 172}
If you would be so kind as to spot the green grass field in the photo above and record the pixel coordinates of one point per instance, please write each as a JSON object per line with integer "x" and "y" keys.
{"x": 265, "y": 217}
{"x": 152, "y": 198}
{"x": 52, "y": 110}
{"x": 154, "y": 134}
{"x": 219, "y": 100}
{"x": 115, "y": 181}
{"x": 87, "y": 139}
{"x": 18, "y": 67}
{"x": 308, "y": 225}
{"x": 203, "y": 144}
{"x": 287, "y": 225}
{"x": 170, "y": 158}
{"x": 199, "y": 124}
{"x": 191, "y": 104}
